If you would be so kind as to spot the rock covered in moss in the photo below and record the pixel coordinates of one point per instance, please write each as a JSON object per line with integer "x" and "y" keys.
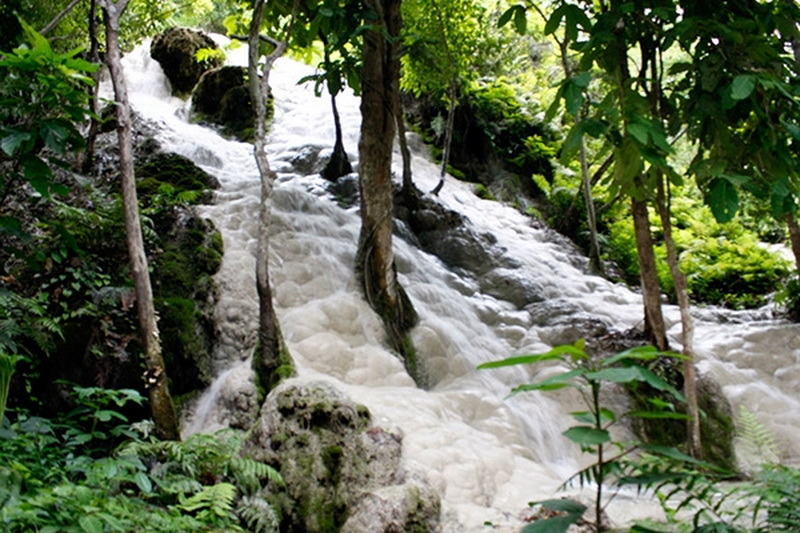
{"x": 175, "y": 49}
{"x": 341, "y": 473}
{"x": 222, "y": 98}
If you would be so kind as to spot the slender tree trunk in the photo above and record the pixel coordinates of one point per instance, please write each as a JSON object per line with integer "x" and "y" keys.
{"x": 58, "y": 18}
{"x": 400, "y": 121}
{"x": 794, "y": 238}
{"x": 94, "y": 123}
{"x": 271, "y": 360}
{"x": 448, "y": 134}
{"x": 156, "y": 376}
{"x": 651, "y": 291}
{"x": 687, "y": 324}
{"x": 594, "y": 243}
{"x": 339, "y": 165}
{"x": 375, "y": 266}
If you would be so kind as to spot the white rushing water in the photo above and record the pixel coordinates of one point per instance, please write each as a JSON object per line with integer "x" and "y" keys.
{"x": 488, "y": 455}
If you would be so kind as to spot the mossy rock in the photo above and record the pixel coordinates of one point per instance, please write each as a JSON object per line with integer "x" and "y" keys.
{"x": 335, "y": 464}
{"x": 179, "y": 172}
{"x": 717, "y": 429}
{"x": 184, "y": 343}
{"x": 175, "y": 49}
{"x": 222, "y": 98}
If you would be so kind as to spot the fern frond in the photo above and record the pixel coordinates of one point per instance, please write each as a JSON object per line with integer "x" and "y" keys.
{"x": 218, "y": 499}
{"x": 756, "y": 444}
{"x": 258, "y": 514}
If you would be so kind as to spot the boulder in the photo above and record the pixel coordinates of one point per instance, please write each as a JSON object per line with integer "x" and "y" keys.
{"x": 341, "y": 473}
{"x": 222, "y": 98}
{"x": 175, "y": 50}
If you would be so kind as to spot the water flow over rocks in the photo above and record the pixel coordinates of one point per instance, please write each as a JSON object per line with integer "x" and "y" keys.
{"x": 486, "y": 455}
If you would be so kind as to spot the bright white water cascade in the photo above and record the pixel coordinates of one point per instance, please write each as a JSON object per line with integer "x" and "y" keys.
{"x": 487, "y": 455}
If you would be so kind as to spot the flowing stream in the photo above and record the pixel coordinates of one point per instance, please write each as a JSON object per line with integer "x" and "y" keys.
{"x": 488, "y": 455}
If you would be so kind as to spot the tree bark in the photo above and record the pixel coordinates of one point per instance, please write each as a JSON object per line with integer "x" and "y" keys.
{"x": 271, "y": 360}
{"x": 375, "y": 265}
{"x": 687, "y": 324}
{"x": 794, "y": 238}
{"x": 156, "y": 381}
{"x": 654, "y": 327}
{"x": 94, "y": 124}
{"x": 339, "y": 164}
{"x": 58, "y": 18}
{"x": 408, "y": 191}
{"x": 448, "y": 134}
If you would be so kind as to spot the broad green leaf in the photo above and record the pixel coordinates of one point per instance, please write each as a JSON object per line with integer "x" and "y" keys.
{"x": 521, "y": 20}
{"x": 55, "y": 135}
{"x": 557, "y": 524}
{"x": 743, "y": 86}
{"x": 652, "y": 415}
{"x": 11, "y": 142}
{"x": 587, "y": 436}
{"x": 506, "y": 16}
{"x": 627, "y": 164}
{"x": 557, "y": 382}
{"x": 638, "y": 131}
{"x": 555, "y": 20}
{"x": 616, "y": 375}
{"x": 565, "y": 505}
{"x": 723, "y": 199}
{"x": 587, "y": 417}
{"x": 571, "y": 144}
{"x": 639, "y": 353}
{"x": 521, "y": 360}
{"x": 573, "y": 97}
{"x": 594, "y": 128}
{"x": 91, "y": 524}
{"x": 143, "y": 482}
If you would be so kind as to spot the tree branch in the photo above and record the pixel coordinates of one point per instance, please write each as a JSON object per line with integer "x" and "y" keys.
{"x": 53, "y": 23}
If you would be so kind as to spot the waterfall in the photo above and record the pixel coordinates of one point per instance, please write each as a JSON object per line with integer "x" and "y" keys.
{"x": 488, "y": 455}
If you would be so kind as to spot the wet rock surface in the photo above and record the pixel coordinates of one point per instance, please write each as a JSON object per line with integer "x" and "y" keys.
{"x": 341, "y": 472}
{"x": 175, "y": 50}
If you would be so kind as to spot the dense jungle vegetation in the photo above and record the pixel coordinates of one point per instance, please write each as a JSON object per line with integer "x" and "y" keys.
{"x": 661, "y": 136}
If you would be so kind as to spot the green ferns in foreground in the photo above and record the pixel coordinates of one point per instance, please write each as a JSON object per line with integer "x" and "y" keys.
{"x": 63, "y": 475}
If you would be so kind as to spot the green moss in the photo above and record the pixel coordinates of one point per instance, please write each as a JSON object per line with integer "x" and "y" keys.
{"x": 482, "y": 191}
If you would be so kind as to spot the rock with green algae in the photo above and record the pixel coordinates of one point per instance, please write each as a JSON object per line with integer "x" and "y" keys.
{"x": 175, "y": 49}
{"x": 341, "y": 473}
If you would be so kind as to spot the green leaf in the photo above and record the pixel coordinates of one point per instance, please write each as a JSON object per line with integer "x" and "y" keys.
{"x": 639, "y": 353}
{"x": 555, "y": 20}
{"x": 521, "y": 20}
{"x": 587, "y": 436}
{"x": 743, "y": 86}
{"x": 723, "y": 199}
{"x": 555, "y": 353}
{"x": 616, "y": 375}
{"x": 91, "y": 524}
{"x": 557, "y": 382}
{"x": 506, "y": 16}
{"x": 557, "y": 524}
{"x": 573, "y": 97}
{"x": 654, "y": 415}
{"x": 143, "y": 482}
{"x": 11, "y": 142}
{"x": 571, "y": 144}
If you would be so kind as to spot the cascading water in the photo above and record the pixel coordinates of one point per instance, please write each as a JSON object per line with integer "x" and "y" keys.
{"x": 489, "y": 456}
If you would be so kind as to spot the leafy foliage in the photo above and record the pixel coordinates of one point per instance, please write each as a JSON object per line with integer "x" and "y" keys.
{"x": 61, "y": 475}
{"x": 588, "y": 375}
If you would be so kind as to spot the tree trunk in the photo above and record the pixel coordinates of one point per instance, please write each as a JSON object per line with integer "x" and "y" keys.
{"x": 794, "y": 238}
{"x": 375, "y": 266}
{"x": 654, "y": 327}
{"x": 448, "y": 134}
{"x": 155, "y": 376}
{"x": 339, "y": 165}
{"x": 687, "y": 324}
{"x": 94, "y": 124}
{"x": 271, "y": 360}
{"x": 400, "y": 120}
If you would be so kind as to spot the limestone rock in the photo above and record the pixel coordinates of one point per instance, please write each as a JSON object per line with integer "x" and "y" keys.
{"x": 175, "y": 49}
{"x": 340, "y": 472}
{"x": 222, "y": 97}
